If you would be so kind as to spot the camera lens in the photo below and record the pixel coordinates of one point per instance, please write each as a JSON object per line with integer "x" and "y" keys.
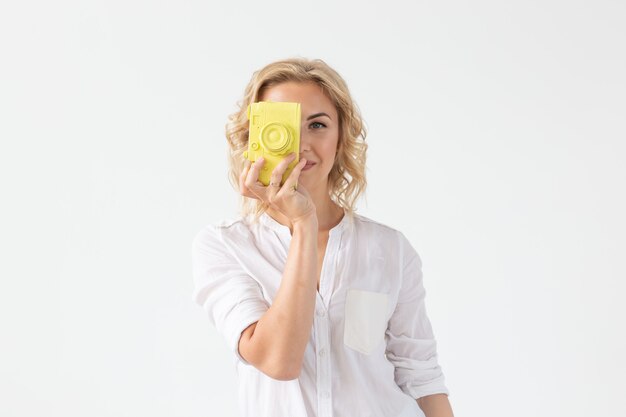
{"x": 275, "y": 137}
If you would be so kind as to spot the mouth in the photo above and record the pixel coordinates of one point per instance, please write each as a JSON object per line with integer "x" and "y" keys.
{"x": 308, "y": 165}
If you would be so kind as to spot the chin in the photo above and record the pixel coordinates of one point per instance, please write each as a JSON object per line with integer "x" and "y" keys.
{"x": 311, "y": 181}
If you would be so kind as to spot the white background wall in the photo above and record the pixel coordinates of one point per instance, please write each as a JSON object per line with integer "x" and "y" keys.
{"x": 497, "y": 145}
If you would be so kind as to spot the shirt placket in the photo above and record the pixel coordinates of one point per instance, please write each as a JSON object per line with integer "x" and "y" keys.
{"x": 322, "y": 330}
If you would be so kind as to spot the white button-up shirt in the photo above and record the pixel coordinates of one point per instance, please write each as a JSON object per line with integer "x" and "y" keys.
{"x": 371, "y": 352}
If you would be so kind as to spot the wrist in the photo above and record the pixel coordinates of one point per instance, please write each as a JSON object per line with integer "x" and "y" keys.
{"x": 306, "y": 222}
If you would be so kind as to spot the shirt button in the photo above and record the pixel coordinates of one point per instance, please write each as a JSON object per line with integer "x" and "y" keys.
{"x": 322, "y": 352}
{"x": 326, "y": 394}
{"x": 321, "y": 313}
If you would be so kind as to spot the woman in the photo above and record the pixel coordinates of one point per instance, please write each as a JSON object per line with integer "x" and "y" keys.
{"x": 322, "y": 308}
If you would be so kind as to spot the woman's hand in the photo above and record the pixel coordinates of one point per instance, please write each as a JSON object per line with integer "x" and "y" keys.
{"x": 295, "y": 204}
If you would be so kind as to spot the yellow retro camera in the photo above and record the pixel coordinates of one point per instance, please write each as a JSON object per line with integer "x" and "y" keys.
{"x": 274, "y": 134}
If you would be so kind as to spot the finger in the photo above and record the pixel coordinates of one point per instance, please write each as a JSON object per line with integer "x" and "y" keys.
{"x": 243, "y": 176}
{"x": 281, "y": 167}
{"x": 272, "y": 188}
{"x": 254, "y": 187}
{"x": 288, "y": 186}
{"x": 253, "y": 173}
{"x": 274, "y": 185}
{"x": 244, "y": 172}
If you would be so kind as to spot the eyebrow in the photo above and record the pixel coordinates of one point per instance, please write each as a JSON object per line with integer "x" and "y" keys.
{"x": 313, "y": 116}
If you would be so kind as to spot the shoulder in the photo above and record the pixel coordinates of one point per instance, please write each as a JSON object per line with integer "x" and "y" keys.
{"x": 215, "y": 233}
{"x": 385, "y": 235}
{"x": 372, "y": 227}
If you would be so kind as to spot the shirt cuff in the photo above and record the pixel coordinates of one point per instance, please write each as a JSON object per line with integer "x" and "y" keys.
{"x": 435, "y": 386}
{"x": 247, "y": 315}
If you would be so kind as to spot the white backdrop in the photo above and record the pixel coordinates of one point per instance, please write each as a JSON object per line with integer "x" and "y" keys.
{"x": 497, "y": 145}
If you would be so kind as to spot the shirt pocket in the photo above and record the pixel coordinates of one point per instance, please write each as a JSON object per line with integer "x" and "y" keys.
{"x": 365, "y": 319}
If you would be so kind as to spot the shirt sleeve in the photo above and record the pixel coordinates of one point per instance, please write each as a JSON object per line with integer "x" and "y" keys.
{"x": 232, "y": 299}
{"x": 411, "y": 344}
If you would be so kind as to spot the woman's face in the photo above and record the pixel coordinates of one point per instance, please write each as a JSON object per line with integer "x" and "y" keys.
{"x": 319, "y": 132}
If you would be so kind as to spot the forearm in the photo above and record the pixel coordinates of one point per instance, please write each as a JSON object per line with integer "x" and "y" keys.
{"x": 436, "y": 405}
{"x": 282, "y": 334}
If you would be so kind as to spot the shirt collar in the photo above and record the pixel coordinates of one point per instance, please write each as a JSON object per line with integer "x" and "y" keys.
{"x": 346, "y": 222}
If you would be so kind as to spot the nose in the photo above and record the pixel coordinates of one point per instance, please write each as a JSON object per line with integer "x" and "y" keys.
{"x": 305, "y": 143}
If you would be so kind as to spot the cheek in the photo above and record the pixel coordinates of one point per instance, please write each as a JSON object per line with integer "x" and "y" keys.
{"x": 331, "y": 143}
{"x": 329, "y": 150}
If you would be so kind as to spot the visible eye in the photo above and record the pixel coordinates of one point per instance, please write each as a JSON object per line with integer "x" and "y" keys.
{"x": 317, "y": 123}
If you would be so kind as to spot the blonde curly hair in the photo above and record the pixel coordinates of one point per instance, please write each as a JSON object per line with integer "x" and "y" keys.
{"x": 347, "y": 177}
